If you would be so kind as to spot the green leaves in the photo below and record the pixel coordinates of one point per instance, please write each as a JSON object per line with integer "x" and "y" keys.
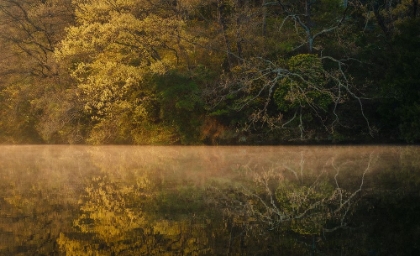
{"x": 182, "y": 105}
{"x": 305, "y": 86}
{"x": 305, "y": 205}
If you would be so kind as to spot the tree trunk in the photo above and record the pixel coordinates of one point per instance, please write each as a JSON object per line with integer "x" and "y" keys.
{"x": 264, "y": 18}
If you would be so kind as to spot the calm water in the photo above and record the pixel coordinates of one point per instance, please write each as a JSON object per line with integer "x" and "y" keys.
{"x": 128, "y": 200}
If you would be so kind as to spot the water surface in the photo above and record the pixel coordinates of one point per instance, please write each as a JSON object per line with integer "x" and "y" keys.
{"x": 140, "y": 200}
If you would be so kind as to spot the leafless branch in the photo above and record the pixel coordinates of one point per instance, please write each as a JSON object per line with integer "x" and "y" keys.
{"x": 306, "y": 201}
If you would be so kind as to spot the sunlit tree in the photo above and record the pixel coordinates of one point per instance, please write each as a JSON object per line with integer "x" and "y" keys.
{"x": 113, "y": 51}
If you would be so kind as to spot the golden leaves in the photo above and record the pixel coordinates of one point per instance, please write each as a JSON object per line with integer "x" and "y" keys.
{"x": 113, "y": 49}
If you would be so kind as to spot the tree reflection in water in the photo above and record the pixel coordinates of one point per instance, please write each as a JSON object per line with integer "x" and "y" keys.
{"x": 67, "y": 200}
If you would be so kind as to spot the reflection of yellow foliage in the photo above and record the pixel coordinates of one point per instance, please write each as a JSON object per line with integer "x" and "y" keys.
{"x": 106, "y": 213}
{"x": 107, "y": 218}
{"x": 113, "y": 221}
{"x": 74, "y": 247}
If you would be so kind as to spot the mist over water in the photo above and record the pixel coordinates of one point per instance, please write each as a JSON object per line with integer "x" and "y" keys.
{"x": 162, "y": 200}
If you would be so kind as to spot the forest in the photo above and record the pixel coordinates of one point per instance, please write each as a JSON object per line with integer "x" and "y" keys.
{"x": 209, "y": 71}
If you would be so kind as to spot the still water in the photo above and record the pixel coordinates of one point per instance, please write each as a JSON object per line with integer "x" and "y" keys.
{"x": 130, "y": 200}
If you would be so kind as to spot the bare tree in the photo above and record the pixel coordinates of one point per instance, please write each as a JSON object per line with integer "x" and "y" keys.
{"x": 30, "y": 30}
{"x": 282, "y": 90}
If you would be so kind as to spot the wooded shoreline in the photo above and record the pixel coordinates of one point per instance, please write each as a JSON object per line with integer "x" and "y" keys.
{"x": 209, "y": 72}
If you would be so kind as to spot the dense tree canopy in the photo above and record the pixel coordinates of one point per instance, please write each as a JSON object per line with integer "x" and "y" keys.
{"x": 218, "y": 71}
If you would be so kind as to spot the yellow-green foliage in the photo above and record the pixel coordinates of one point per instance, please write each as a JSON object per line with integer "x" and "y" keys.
{"x": 305, "y": 85}
{"x": 118, "y": 218}
{"x": 112, "y": 51}
{"x": 305, "y": 205}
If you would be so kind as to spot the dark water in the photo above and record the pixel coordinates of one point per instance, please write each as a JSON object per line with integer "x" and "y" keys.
{"x": 80, "y": 200}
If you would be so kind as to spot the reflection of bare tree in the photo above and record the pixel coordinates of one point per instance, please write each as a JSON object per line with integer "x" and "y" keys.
{"x": 346, "y": 199}
{"x": 157, "y": 200}
{"x": 294, "y": 197}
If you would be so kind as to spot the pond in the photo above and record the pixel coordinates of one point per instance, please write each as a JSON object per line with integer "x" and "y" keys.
{"x": 144, "y": 200}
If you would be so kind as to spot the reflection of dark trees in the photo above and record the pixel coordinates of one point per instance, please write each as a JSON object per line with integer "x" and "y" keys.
{"x": 38, "y": 197}
{"x": 220, "y": 201}
{"x": 391, "y": 212}
{"x": 32, "y": 216}
{"x": 353, "y": 204}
